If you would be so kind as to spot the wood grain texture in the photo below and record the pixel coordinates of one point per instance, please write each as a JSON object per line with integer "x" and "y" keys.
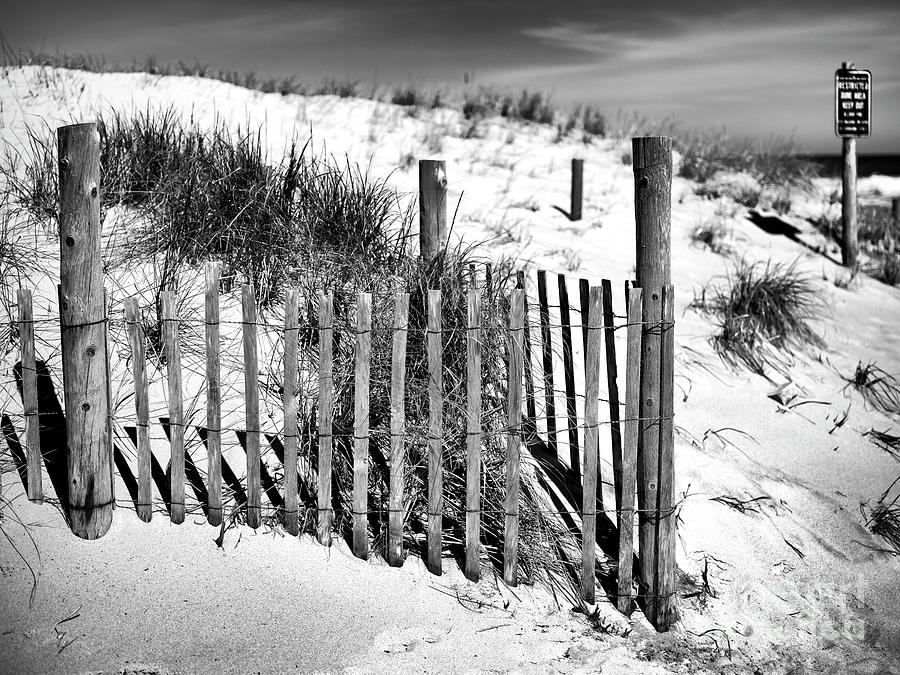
{"x": 362, "y": 369}
{"x": 83, "y": 328}
{"x": 473, "y": 436}
{"x": 547, "y": 361}
{"x": 396, "y": 505}
{"x": 432, "y": 207}
{"x": 591, "y": 446}
{"x": 35, "y": 489}
{"x": 652, "y": 158}
{"x": 172, "y": 351}
{"x": 251, "y": 404}
{"x": 565, "y": 321}
{"x": 213, "y": 394}
{"x": 514, "y": 435}
{"x": 435, "y": 433}
{"x": 141, "y": 407}
{"x": 291, "y": 392}
{"x": 665, "y": 537}
{"x": 326, "y": 417}
{"x": 631, "y": 431}
{"x": 612, "y": 387}
{"x": 576, "y": 192}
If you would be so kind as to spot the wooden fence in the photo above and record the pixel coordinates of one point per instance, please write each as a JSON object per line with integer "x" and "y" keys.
{"x": 637, "y": 415}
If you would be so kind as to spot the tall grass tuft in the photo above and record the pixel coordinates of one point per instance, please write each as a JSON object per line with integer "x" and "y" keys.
{"x": 763, "y": 310}
{"x": 879, "y": 389}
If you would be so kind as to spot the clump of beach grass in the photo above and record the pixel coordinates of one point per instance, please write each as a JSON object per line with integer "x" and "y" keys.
{"x": 879, "y": 389}
{"x": 713, "y": 234}
{"x": 883, "y": 519}
{"x": 764, "y": 311}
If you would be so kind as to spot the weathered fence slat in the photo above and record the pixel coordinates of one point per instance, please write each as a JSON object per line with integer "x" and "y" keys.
{"x": 29, "y": 396}
{"x": 665, "y": 538}
{"x": 435, "y": 433}
{"x": 396, "y": 505}
{"x": 591, "y": 447}
{"x": 514, "y": 435}
{"x": 584, "y": 291}
{"x": 291, "y": 437}
{"x": 612, "y": 386}
{"x": 251, "y": 409}
{"x": 171, "y": 344}
{"x": 213, "y": 394}
{"x": 82, "y": 319}
{"x": 326, "y": 395}
{"x": 530, "y": 411}
{"x": 629, "y": 448}
{"x": 362, "y": 369}
{"x": 547, "y": 361}
{"x": 569, "y": 375}
{"x": 473, "y": 435}
{"x": 141, "y": 407}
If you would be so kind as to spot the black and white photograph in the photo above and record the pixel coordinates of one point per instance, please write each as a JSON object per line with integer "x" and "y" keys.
{"x": 468, "y": 337}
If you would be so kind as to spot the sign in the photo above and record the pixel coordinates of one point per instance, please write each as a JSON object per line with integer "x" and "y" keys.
{"x": 852, "y": 103}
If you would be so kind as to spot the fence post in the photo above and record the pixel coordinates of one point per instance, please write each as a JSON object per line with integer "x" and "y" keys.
{"x": 514, "y": 434}
{"x": 850, "y": 244}
{"x": 396, "y": 505}
{"x": 326, "y": 419}
{"x": 652, "y": 157}
{"x": 291, "y": 392}
{"x": 172, "y": 350}
{"x": 361, "y": 425}
{"x": 591, "y": 446}
{"x": 251, "y": 411}
{"x": 435, "y": 433}
{"x": 665, "y": 538}
{"x": 432, "y": 207}
{"x": 577, "y": 177}
{"x": 213, "y": 394}
{"x": 141, "y": 407}
{"x": 895, "y": 209}
{"x": 29, "y": 396}
{"x": 83, "y": 327}
{"x": 473, "y": 436}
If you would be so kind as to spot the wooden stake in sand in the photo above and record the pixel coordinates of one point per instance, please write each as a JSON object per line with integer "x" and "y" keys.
{"x": 473, "y": 436}
{"x": 326, "y": 416}
{"x": 514, "y": 434}
{"x": 29, "y": 396}
{"x": 141, "y": 406}
{"x": 172, "y": 350}
{"x": 569, "y": 375}
{"x": 82, "y": 318}
{"x": 432, "y": 207}
{"x": 213, "y": 394}
{"x": 665, "y": 537}
{"x": 652, "y": 158}
{"x": 361, "y": 425}
{"x": 591, "y": 446}
{"x": 435, "y": 433}
{"x": 251, "y": 397}
{"x": 291, "y": 391}
{"x": 396, "y": 506}
{"x": 577, "y": 178}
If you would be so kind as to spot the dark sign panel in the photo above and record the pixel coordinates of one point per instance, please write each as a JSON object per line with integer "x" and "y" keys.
{"x": 852, "y": 103}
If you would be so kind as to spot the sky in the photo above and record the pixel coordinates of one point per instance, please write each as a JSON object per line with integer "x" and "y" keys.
{"x": 764, "y": 69}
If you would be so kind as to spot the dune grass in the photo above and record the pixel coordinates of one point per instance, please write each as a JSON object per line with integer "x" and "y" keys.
{"x": 879, "y": 389}
{"x": 764, "y": 312}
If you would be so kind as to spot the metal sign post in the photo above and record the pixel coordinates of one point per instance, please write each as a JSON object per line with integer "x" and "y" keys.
{"x": 852, "y": 120}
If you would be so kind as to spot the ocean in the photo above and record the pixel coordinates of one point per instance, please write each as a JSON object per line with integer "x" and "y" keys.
{"x": 866, "y": 165}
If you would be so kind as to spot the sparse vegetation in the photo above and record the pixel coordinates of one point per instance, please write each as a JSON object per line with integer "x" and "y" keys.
{"x": 713, "y": 234}
{"x": 879, "y": 389}
{"x": 763, "y": 311}
{"x": 883, "y": 519}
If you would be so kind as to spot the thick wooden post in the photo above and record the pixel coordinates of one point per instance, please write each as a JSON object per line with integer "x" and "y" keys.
{"x": 291, "y": 391}
{"x": 29, "y": 396}
{"x": 652, "y": 157}
{"x": 514, "y": 434}
{"x": 591, "y": 446}
{"x": 432, "y": 207}
{"x": 83, "y": 326}
{"x": 473, "y": 436}
{"x": 577, "y": 177}
{"x": 326, "y": 416}
{"x": 396, "y": 505}
{"x": 361, "y": 425}
{"x": 213, "y": 395}
{"x": 850, "y": 249}
{"x": 141, "y": 407}
{"x": 435, "y": 433}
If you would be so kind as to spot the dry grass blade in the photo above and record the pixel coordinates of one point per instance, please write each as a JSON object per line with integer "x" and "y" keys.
{"x": 879, "y": 389}
{"x": 883, "y": 519}
{"x": 886, "y": 441}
